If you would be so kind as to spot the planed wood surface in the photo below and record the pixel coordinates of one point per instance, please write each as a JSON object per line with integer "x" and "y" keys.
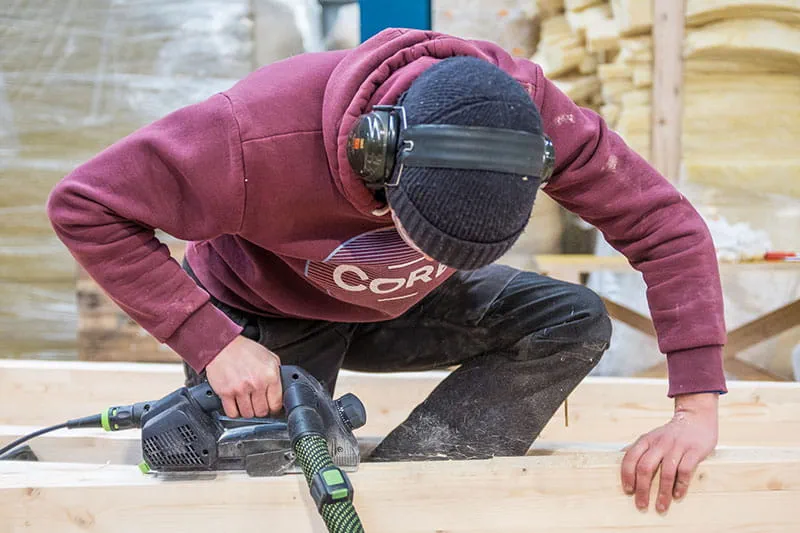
{"x": 601, "y": 409}
{"x": 96, "y": 446}
{"x": 732, "y": 491}
{"x": 668, "y": 35}
{"x": 55, "y": 391}
{"x": 89, "y": 446}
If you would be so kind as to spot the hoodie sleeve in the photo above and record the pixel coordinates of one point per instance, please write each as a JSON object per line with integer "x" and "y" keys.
{"x": 644, "y": 217}
{"x": 182, "y": 174}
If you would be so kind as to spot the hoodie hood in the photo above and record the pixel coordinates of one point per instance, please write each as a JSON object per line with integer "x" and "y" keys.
{"x": 376, "y": 73}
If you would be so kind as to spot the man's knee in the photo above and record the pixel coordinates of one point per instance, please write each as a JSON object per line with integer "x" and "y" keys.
{"x": 579, "y": 325}
{"x": 589, "y": 305}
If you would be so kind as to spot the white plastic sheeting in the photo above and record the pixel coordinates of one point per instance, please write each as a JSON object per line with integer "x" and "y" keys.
{"x": 75, "y": 76}
{"x": 744, "y": 225}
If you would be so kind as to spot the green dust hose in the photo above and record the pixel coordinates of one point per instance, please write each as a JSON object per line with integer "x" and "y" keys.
{"x": 313, "y": 456}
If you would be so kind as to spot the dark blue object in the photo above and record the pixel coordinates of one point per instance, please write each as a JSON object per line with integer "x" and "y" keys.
{"x": 377, "y": 15}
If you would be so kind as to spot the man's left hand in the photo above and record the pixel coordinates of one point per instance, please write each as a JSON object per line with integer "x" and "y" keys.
{"x": 678, "y": 447}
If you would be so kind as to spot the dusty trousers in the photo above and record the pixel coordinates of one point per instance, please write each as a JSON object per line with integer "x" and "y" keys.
{"x": 522, "y": 342}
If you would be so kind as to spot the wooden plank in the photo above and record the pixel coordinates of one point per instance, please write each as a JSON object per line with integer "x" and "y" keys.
{"x": 762, "y": 328}
{"x": 601, "y": 409}
{"x": 667, "y": 109}
{"x": 96, "y": 446}
{"x": 90, "y": 446}
{"x": 54, "y": 391}
{"x": 735, "y": 490}
{"x": 624, "y": 314}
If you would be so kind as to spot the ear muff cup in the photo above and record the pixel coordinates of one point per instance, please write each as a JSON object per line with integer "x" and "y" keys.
{"x": 372, "y": 145}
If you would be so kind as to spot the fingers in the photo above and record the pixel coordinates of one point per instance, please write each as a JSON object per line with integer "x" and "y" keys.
{"x": 629, "y": 463}
{"x": 642, "y": 462}
{"x": 669, "y": 470}
{"x": 645, "y": 472}
{"x": 229, "y": 405}
{"x": 245, "y": 404}
{"x": 259, "y": 399}
{"x": 261, "y": 394}
{"x": 247, "y": 378}
{"x": 686, "y": 467}
{"x": 275, "y": 396}
{"x": 236, "y": 402}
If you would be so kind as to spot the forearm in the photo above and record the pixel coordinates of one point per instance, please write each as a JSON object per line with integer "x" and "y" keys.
{"x": 642, "y": 215}
{"x": 182, "y": 175}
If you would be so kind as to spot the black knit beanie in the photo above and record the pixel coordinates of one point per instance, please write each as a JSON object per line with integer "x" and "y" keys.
{"x": 465, "y": 219}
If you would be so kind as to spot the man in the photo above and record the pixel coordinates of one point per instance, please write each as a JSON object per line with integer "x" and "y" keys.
{"x": 308, "y": 246}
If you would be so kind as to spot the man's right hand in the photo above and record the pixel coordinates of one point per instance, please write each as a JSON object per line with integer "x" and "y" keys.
{"x": 247, "y": 378}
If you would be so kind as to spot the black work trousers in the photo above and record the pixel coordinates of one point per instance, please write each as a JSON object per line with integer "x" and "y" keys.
{"x": 521, "y": 343}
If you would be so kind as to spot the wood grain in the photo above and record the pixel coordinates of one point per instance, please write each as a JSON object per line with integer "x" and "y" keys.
{"x": 668, "y": 34}
{"x": 733, "y": 491}
{"x": 601, "y": 409}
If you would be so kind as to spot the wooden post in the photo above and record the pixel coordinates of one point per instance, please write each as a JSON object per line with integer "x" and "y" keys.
{"x": 667, "y": 104}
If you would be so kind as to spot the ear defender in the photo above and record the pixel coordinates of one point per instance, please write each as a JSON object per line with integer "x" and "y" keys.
{"x": 373, "y": 151}
{"x": 372, "y": 145}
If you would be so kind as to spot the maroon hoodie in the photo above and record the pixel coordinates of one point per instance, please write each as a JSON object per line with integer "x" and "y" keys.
{"x": 256, "y": 178}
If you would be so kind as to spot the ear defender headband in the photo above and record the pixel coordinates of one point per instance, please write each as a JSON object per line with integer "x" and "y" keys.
{"x": 373, "y": 151}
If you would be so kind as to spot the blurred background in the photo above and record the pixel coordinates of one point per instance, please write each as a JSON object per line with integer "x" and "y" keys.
{"x": 77, "y": 75}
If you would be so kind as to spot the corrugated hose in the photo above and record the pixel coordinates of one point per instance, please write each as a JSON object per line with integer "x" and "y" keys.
{"x": 312, "y": 455}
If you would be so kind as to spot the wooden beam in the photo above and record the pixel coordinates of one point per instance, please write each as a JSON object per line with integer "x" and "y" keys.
{"x": 601, "y": 409}
{"x": 762, "y": 328}
{"x": 90, "y": 446}
{"x": 630, "y": 317}
{"x": 734, "y": 490}
{"x": 668, "y": 32}
{"x": 96, "y": 446}
{"x": 54, "y": 391}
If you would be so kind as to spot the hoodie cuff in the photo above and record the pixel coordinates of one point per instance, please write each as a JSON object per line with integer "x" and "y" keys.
{"x": 203, "y": 335}
{"x": 696, "y": 370}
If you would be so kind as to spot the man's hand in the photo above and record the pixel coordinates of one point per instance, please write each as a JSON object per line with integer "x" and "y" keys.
{"x": 247, "y": 378}
{"x": 678, "y": 447}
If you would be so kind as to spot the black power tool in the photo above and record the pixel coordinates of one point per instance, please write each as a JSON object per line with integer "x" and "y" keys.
{"x": 186, "y": 431}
